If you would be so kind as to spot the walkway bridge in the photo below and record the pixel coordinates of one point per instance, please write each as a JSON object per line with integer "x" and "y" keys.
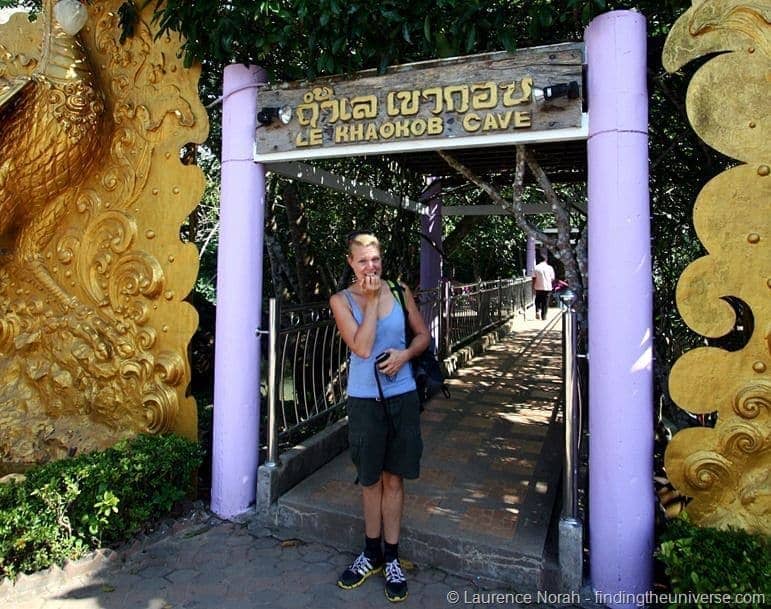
{"x": 485, "y": 504}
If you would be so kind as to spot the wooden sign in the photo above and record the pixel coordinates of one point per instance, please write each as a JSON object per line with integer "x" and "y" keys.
{"x": 480, "y": 100}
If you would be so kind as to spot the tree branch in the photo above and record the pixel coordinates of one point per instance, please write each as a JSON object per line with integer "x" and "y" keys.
{"x": 563, "y": 250}
{"x": 574, "y": 261}
{"x": 561, "y": 214}
{"x": 451, "y": 242}
{"x": 515, "y": 206}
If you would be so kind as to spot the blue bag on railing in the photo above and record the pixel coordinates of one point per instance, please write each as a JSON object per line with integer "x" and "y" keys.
{"x": 426, "y": 370}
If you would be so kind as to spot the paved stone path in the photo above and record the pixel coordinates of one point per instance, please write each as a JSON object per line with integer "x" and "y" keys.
{"x": 204, "y": 562}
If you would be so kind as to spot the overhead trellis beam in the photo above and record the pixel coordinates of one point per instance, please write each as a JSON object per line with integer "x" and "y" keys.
{"x": 320, "y": 177}
{"x": 491, "y": 210}
{"x": 528, "y": 209}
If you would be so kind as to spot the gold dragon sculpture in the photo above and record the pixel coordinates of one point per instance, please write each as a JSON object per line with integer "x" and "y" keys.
{"x": 727, "y": 469}
{"x": 93, "y": 274}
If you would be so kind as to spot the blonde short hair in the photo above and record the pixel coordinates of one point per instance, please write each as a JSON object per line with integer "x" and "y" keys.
{"x": 362, "y": 239}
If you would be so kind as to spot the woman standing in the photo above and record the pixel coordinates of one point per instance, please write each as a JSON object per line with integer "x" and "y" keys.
{"x": 384, "y": 434}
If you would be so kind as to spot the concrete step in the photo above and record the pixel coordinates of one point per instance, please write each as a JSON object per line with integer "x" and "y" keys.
{"x": 326, "y": 508}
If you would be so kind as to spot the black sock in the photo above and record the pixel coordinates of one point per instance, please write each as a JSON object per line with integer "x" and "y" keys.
{"x": 391, "y": 551}
{"x": 372, "y": 548}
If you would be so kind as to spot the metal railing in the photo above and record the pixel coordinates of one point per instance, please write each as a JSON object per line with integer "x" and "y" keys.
{"x": 308, "y": 360}
{"x": 473, "y": 309}
{"x": 307, "y": 373}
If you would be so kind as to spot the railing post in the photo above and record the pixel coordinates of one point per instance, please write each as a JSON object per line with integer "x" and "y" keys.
{"x": 480, "y": 321}
{"x": 273, "y": 322}
{"x": 521, "y": 300}
{"x": 500, "y": 299}
{"x": 434, "y": 304}
{"x": 570, "y": 495}
{"x": 440, "y": 351}
{"x": 446, "y": 302}
{"x": 570, "y": 527}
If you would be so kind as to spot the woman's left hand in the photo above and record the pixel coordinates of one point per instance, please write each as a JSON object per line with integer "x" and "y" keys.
{"x": 394, "y": 363}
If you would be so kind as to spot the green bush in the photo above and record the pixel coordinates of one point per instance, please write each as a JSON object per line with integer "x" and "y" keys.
{"x": 65, "y": 508}
{"x": 704, "y": 561}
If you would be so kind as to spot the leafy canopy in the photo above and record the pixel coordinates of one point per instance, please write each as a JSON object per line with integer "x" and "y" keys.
{"x": 296, "y": 39}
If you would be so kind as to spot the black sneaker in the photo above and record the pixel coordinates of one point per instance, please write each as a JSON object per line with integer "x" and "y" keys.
{"x": 360, "y": 569}
{"x": 395, "y": 582}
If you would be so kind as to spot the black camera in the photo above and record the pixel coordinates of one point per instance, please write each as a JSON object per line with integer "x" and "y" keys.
{"x": 382, "y": 357}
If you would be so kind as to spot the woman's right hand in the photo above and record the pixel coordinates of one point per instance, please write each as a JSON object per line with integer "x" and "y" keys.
{"x": 370, "y": 286}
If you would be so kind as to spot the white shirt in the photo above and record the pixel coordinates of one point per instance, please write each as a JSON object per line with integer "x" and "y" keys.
{"x": 543, "y": 275}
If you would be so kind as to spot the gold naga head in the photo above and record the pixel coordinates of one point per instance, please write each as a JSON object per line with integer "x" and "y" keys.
{"x": 62, "y": 57}
{"x": 70, "y": 14}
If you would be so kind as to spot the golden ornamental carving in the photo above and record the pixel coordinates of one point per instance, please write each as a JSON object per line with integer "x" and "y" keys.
{"x": 727, "y": 469}
{"x": 93, "y": 326}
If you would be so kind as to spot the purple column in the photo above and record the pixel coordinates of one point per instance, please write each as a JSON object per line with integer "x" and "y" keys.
{"x": 239, "y": 298}
{"x": 530, "y": 257}
{"x": 430, "y": 258}
{"x": 621, "y": 502}
{"x": 431, "y": 227}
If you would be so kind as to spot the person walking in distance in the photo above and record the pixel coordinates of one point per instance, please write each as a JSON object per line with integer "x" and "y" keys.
{"x": 383, "y": 408}
{"x": 543, "y": 276}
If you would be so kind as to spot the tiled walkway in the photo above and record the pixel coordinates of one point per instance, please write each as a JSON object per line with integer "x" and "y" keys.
{"x": 490, "y": 468}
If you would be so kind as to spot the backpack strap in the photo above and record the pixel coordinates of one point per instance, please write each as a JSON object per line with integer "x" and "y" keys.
{"x": 398, "y": 293}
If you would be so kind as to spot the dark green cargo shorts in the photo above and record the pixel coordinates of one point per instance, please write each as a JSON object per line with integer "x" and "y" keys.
{"x": 383, "y": 440}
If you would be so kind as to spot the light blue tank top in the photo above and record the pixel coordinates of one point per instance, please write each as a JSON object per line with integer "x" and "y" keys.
{"x": 389, "y": 334}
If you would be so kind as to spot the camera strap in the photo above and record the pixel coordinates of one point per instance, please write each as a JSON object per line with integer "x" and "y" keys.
{"x": 382, "y": 399}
